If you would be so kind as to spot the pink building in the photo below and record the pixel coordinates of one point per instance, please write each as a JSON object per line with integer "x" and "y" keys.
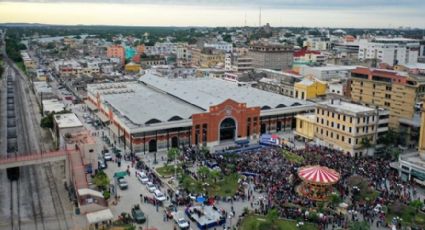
{"x": 117, "y": 51}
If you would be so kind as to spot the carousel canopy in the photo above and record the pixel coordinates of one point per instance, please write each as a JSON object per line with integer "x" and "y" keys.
{"x": 318, "y": 175}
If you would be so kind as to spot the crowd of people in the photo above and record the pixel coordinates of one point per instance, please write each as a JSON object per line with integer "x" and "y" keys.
{"x": 276, "y": 177}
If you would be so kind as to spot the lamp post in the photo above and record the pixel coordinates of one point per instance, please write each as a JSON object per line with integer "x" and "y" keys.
{"x": 154, "y": 160}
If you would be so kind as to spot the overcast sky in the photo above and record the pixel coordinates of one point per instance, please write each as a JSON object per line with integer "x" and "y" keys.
{"x": 327, "y": 13}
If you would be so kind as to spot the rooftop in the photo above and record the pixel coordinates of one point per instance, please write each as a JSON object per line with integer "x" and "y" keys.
{"x": 206, "y": 92}
{"x": 67, "y": 120}
{"x": 346, "y": 107}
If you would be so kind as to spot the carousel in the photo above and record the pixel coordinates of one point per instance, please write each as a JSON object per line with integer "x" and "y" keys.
{"x": 317, "y": 182}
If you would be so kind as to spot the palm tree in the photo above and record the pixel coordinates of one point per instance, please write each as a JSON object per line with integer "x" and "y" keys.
{"x": 365, "y": 143}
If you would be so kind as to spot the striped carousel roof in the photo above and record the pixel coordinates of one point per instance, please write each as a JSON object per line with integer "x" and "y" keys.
{"x": 318, "y": 175}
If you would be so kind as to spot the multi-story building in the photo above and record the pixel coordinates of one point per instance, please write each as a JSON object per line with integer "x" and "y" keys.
{"x": 396, "y": 91}
{"x": 221, "y": 45}
{"x": 116, "y": 51}
{"x": 327, "y": 73}
{"x": 309, "y": 89}
{"x": 391, "y": 51}
{"x": 344, "y": 126}
{"x": 277, "y": 81}
{"x": 316, "y": 43}
{"x": 237, "y": 63}
{"x": 308, "y": 57}
{"x": 207, "y": 57}
{"x": 271, "y": 55}
{"x": 183, "y": 55}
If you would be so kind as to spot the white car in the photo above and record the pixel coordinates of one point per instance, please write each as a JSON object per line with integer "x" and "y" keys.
{"x": 107, "y": 156}
{"x": 159, "y": 195}
{"x": 150, "y": 186}
{"x": 141, "y": 176}
{"x": 180, "y": 220}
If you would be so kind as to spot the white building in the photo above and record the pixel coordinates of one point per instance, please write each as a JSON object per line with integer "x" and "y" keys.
{"x": 227, "y": 47}
{"x": 238, "y": 63}
{"x": 391, "y": 51}
{"x": 316, "y": 44}
{"x": 326, "y": 73}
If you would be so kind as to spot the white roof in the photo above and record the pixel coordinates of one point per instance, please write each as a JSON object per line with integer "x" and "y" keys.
{"x": 140, "y": 104}
{"x": 99, "y": 216}
{"x": 306, "y": 82}
{"x": 86, "y": 191}
{"x": 67, "y": 120}
{"x": 206, "y": 92}
{"x": 346, "y": 106}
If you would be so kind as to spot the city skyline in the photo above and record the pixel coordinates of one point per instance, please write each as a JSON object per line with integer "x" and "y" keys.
{"x": 323, "y": 13}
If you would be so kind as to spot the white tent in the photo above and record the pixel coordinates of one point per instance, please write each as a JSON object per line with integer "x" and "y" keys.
{"x": 99, "y": 216}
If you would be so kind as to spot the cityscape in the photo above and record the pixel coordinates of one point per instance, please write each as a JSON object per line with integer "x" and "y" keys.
{"x": 236, "y": 115}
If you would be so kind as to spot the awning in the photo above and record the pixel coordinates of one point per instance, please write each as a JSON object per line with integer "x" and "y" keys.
{"x": 99, "y": 216}
{"x": 114, "y": 129}
{"x": 86, "y": 191}
{"x": 90, "y": 105}
{"x": 102, "y": 117}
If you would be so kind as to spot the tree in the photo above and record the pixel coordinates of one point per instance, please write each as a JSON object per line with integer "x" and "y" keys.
{"x": 101, "y": 180}
{"x": 214, "y": 175}
{"x": 173, "y": 153}
{"x": 204, "y": 172}
{"x": 47, "y": 121}
{"x": 272, "y": 216}
{"x": 365, "y": 143}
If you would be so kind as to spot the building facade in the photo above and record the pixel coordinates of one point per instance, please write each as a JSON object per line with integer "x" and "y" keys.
{"x": 196, "y": 111}
{"x": 395, "y": 91}
{"x": 344, "y": 126}
{"x": 116, "y": 51}
{"x": 271, "y": 56}
{"x": 391, "y": 51}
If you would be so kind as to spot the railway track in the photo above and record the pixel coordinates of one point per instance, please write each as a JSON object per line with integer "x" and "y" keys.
{"x": 38, "y": 145}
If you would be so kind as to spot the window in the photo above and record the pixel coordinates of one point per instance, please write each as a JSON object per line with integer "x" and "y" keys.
{"x": 342, "y": 138}
{"x": 332, "y": 134}
{"x": 317, "y": 119}
{"x": 337, "y": 126}
{"x": 332, "y": 124}
{"x": 349, "y": 129}
{"x": 321, "y": 131}
{"x": 343, "y": 117}
{"x": 349, "y": 140}
{"x": 301, "y": 123}
{"x": 358, "y": 120}
{"x": 333, "y": 115}
{"x": 327, "y": 123}
{"x": 326, "y": 132}
{"x": 351, "y": 120}
{"x": 337, "y": 136}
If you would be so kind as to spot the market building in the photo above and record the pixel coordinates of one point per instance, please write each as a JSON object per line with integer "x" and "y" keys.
{"x": 160, "y": 112}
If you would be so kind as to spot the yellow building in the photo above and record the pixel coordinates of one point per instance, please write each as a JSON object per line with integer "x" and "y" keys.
{"x": 305, "y": 126}
{"x": 395, "y": 91}
{"x": 207, "y": 57}
{"x": 309, "y": 89}
{"x": 132, "y": 67}
{"x": 344, "y": 126}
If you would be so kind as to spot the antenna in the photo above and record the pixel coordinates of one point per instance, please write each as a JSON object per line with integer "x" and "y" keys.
{"x": 245, "y": 19}
{"x": 259, "y": 19}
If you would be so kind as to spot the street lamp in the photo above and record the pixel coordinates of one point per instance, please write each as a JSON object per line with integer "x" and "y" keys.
{"x": 154, "y": 160}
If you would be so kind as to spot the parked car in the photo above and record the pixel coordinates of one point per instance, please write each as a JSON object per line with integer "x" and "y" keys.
{"x": 180, "y": 220}
{"x": 122, "y": 183}
{"x": 159, "y": 196}
{"x": 138, "y": 215}
{"x": 101, "y": 164}
{"x": 107, "y": 156}
{"x": 141, "y": 176}
{"x": 150, "y": 186}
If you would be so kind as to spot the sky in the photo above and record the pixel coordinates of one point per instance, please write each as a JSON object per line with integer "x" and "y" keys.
{"x": 311, "y": 13}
